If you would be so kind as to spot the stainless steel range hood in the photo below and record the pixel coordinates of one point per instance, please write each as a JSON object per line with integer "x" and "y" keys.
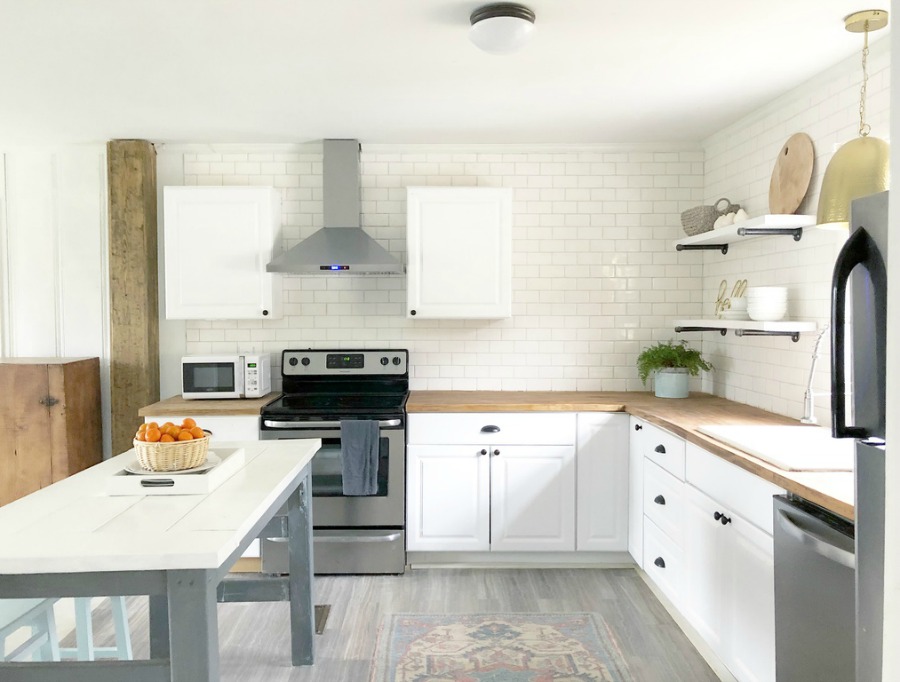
{"x": 341, "y": 247}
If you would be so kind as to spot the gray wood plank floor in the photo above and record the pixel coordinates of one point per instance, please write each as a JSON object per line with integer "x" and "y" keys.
{"x": 254, "y": 639}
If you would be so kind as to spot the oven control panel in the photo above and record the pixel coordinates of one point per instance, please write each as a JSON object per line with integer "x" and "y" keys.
{"x": 330, "y": 362}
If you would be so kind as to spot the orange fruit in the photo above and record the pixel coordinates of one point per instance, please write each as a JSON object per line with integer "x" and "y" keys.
{"x": 197, "y": 432}
{"x": 172, "y": 430}
{"x": 185, "y": 435}
{"x": 188, "y": 423}
{"x": 165, "y": 426}
{"x": 152, "y": 435}
{"x": 143, "y": 427}
{"x": 139, "y": 435}
{"x": 166, "y": 438}
{"x": 152, "y": 425}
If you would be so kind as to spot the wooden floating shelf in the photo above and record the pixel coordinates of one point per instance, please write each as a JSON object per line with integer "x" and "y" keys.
{"x": 790, "y": 328}
{"x": 762, "y": 226}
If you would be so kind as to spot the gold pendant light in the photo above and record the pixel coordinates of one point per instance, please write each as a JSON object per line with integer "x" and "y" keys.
{"x": 861, "y": 166}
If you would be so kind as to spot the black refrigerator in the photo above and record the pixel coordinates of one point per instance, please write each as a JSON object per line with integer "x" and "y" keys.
{"x": 858, "y": 369}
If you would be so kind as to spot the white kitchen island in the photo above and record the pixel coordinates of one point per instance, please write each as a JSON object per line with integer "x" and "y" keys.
{"x": 73, "y": 539}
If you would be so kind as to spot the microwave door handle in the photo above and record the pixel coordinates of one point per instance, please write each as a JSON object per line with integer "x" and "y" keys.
{"x": 859, "y": 249}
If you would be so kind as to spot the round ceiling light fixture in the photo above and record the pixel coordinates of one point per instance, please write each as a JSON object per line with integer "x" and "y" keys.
{"x": 501, "y": 28}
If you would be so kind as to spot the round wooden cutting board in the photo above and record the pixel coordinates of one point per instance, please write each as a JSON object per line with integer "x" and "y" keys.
{"x": 791, "y": 175}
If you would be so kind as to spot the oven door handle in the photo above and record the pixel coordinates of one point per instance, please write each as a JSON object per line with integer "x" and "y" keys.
{"x": 390, "y": 537}
{"x": 311, "y": 426}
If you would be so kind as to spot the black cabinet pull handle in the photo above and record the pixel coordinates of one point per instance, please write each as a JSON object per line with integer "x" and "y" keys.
{"x": 659, "y": 499}
{"x": 483, "y": 452}
{"x": 717, "y": 515}
{"x": 265, "y": 312}
{"x": 412, "y": 312}
{"x": 724, "y": 520}
{"x": 659, "y": 561}
{"x": 490, "y": 428}
{"x": 638, "y": 427}
{"x": 661, "y": 449}
{"x": 495, "y": 453}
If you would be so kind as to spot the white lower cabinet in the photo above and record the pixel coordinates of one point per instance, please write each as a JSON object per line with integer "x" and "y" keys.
{"x": 448, "y": 498}
{"x": 728, "y": 589}
{"x": 220, "y": 428}
{"x": 487, "y": 494}
{"x": 602, "y": 463}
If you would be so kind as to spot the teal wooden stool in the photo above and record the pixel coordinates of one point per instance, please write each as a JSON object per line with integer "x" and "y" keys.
{"x": 84, "y": 633}
{"x": 37, "y": 614}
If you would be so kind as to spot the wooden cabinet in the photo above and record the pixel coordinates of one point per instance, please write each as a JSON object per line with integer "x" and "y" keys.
{"x": 218, "y": 241}
{"x": 50, "y": 422}
{"x": 602, "y": 459}
{"x": 459, "y": 243}
{"x": 497, "y": 482}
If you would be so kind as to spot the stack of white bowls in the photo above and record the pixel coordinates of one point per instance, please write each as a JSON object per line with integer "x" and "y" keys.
{"x": 766, "y": 304}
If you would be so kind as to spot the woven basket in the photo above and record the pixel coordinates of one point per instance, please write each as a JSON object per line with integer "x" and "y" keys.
{"x": 185, "y": 454}
{"x": 701, "y": 219}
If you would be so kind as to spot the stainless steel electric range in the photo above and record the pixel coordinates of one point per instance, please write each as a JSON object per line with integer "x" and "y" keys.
{"x": 322, "y": 388}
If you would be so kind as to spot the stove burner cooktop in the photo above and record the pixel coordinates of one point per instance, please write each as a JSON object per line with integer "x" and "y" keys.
{"x": 320, "y": 405}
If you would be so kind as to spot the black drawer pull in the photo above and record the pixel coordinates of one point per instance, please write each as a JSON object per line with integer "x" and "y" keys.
{"x": 724, "y": 520}
{"x": 490, "y": 428}
{"x": 495, "y": 453}
{"x": 483, "y": 452}
{"x": 638, "y": 427}
{"x": 661, "y": 449}
{"x": 659, "y": 499}
{"x": 659, "y": 561}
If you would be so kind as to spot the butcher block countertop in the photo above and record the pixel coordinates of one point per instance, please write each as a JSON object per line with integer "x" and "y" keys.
{"x": 832, "y": 490}
{"x": 178, "y": 406}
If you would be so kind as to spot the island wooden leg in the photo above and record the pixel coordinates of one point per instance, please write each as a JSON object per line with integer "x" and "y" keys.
{"x": 159, "y": 626}
{"x": 300, "y": 549}
{"x": 193, "y": 626}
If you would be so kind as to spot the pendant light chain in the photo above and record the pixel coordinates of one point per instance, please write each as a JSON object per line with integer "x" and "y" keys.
{"x": 864, "y": 128}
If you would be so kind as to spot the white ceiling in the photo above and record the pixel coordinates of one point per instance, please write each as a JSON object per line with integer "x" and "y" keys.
{"x": 387, "y": 71}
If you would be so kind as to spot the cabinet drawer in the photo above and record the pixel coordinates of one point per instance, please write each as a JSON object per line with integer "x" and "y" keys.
{"x": 663, "y": 500}
{"x": 662, "y": 561}
{"x": 726, "y": 483}
{"x": 220, "y": 428}
{"x": 487, "y": 428}
{"x": 665, "y": 449}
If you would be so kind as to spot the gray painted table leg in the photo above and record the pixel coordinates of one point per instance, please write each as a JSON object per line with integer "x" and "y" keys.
{"x": 193, "y": 626}
{"x": 159, "y": 626}
{"x": 300, "y": 541}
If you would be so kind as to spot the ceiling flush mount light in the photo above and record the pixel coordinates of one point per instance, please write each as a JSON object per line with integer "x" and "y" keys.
{"x": 501, "y": 28}
{"x": 861, "y": 166}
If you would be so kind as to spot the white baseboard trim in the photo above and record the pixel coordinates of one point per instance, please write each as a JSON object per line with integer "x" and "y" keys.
{"x": 693, "y": 636}
{"x": 519, "y": 560}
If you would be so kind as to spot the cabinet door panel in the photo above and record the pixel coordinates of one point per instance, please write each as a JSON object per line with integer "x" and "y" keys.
{"x": 532, "y": 498}
{"x": 26, "y": 441}
{"x": 750, "y": 580}
{"x": 602, "y": 494}
{"x": 663, "y": 500}
{"x": 636, "y": 490}
{"x": 703, "y": 543}
{"x": 218, "y": 241}
{"x": 448, "y": 490}
{"x": 459, "y": 241}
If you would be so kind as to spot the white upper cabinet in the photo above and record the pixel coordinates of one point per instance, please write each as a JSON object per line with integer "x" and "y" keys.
{"x": 459, "y": 242}
{"x": 218, "y": 241}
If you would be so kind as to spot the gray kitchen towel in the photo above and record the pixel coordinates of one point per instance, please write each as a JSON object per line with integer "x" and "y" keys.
{"x": 359, "y": 456}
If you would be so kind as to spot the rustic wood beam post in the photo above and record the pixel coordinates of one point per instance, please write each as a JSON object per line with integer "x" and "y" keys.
{"x": 134, "y": 304}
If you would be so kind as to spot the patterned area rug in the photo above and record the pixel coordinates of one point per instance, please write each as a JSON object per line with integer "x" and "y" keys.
{"x": 509, "y": 647}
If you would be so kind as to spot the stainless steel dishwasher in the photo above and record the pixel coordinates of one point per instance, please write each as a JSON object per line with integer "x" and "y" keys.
{"x": 815, "y": 602}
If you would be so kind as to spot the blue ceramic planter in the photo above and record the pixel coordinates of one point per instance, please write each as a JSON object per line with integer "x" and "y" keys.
{"x": 671, "y": 383}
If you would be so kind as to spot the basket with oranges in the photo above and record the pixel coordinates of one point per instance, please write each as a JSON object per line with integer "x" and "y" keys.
{"x": 170, "y": 447}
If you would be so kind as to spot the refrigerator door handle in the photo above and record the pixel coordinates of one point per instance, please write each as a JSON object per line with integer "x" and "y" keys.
{"x": 819, "y": 545}
{"x": 861, "y": 250}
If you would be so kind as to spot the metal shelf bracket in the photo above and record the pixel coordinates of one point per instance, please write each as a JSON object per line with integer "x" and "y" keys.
{"x": 723, "y": 332}
{"x": 795, "y": 336}
{"x": 795, "y": 232}
{"x": 702, "y": 247}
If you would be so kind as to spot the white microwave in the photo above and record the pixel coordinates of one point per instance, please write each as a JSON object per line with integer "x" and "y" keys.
{"x": 214, "y": 377}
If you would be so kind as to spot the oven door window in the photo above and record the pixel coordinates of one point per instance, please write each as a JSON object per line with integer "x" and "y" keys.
{"x": 327, "y": 469}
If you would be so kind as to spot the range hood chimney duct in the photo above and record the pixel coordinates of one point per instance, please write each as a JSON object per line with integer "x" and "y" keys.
{"x": 341, "y": 246}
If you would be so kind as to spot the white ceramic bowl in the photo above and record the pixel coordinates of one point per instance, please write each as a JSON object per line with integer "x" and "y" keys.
{"x": 739, "y": 303}
{"x": 766, "y": 313}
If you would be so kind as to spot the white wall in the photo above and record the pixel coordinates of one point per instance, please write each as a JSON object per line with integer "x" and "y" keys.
{"x": 595, "y": 276}
{"x": 772, "y": 372}
{"x": 53, "y": 258}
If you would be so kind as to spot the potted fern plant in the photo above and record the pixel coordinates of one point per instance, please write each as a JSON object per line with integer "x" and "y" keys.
{"x": 671, "y": 365}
